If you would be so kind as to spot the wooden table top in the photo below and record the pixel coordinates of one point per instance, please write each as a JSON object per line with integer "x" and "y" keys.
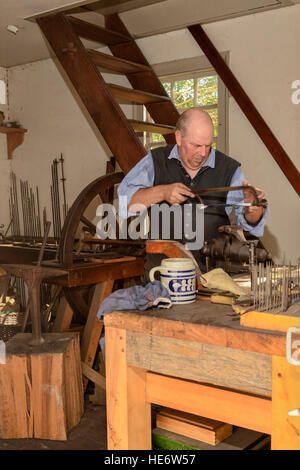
{"x": 80, "y": 274}
{"x": 200, "y": 321}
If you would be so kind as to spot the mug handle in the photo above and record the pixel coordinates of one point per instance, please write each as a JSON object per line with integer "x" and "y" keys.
{"x": 153, "y": 271}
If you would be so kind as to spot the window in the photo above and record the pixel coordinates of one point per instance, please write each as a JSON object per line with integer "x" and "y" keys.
{"x": 202, "y": 89}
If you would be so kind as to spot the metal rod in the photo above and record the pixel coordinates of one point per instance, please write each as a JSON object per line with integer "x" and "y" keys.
{"x": 54, "y": 194}
{"x": 8, "y": 227}
{"x": 25, "y": 220}
{"x": 44, "y": 219}
{"x": 27, "y": 208}
{"x": 17, "y": 201}
{"x": 38, "y": 213}
{"x": 11, "y": 216}
{"x": 63, "y": 179}
{"x": 22, "y": 202}
{"x": 32, "y": 208}
{"x": 12, "y": 211}
{"x": 53, "y": 215}
{"x": 57, "y": 196}
{"x": 14, "y": 196}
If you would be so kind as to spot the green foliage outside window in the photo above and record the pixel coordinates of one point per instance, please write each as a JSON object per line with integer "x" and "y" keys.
{"x": 207, "y": 91}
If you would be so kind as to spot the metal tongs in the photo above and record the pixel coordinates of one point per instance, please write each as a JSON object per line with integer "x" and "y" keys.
{"x": 257, "y": 202}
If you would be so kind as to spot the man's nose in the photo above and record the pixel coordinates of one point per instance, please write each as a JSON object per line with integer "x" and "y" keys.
{"x": 201, "y": 150}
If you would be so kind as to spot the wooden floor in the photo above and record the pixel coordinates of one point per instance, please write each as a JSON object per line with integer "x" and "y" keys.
{"x": 89, "y": 434}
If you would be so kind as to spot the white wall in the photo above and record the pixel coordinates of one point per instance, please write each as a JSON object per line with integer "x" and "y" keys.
{"x": 264, "y": 57}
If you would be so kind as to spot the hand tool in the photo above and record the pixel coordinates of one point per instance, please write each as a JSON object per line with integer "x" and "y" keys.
{"x": 257, "y": 202}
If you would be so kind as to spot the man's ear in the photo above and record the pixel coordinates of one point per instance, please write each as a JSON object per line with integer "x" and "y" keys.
{"x": 178, "y": 137}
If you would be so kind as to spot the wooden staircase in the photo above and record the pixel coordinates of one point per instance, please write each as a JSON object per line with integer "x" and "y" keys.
{"x": 102, "y": 100}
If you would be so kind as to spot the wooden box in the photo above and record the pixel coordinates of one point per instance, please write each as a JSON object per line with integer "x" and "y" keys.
{"x": 195, "y": 427}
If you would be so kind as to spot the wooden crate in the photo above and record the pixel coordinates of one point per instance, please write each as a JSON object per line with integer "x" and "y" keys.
{"x": 41, "y": 390}
{"x": 196, "y": 427}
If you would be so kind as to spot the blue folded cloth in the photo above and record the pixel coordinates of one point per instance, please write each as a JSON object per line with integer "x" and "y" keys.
{"x": 154, "y": 294}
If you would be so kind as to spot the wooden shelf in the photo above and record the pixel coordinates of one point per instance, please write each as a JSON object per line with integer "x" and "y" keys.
{"x": 15, "y": 137}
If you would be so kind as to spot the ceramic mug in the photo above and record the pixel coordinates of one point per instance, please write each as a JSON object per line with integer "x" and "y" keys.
{"x": 178, "y": 275}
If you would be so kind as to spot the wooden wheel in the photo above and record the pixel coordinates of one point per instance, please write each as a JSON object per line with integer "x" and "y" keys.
{"x": 81, "y": 218}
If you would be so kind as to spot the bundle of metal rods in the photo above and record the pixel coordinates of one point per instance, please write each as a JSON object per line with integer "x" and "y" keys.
{"x": 30, "y": 202}
{"x": 30, "y": 210}
{"x": 276, "y": 287}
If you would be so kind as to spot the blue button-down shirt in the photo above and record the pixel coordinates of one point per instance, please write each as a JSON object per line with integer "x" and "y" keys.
{"x": 142, "y": 176}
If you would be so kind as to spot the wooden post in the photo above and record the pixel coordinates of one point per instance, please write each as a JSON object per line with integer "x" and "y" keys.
{"x": 63, "y": 317}
{"x": 93, "y": 327}
{"x": 128, "y": 413}
{"x": 41, "y": 392}
{"x": 285, "y": 398}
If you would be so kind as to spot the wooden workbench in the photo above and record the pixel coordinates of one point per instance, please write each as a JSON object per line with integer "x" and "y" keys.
{"x": 197, "y": 359}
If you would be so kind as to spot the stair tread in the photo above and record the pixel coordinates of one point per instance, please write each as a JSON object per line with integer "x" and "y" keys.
{"x": 115, "y": 64}
{"x": 97, "y": 33}
{"x": 136, "y": 96}
{"x": 151, "y": 127}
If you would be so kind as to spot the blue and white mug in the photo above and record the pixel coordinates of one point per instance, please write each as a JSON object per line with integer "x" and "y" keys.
{"x": 178, "y": 275}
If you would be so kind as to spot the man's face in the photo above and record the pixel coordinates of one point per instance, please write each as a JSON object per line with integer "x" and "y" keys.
{"x": 194, "y": 145}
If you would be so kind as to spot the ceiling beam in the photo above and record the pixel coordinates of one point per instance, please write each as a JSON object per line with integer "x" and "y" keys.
{"x": 102, "y": 7}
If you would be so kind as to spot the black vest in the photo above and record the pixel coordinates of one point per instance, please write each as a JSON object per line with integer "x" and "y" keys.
{"x": 167, "y": 171}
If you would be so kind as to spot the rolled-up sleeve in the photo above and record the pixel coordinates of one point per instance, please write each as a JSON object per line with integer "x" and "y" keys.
{"x": 238, "y": 196}
{"x": 139, "y": 177}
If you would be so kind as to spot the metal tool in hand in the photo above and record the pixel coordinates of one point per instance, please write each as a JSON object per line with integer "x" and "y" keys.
{"x": 257, "y": 201}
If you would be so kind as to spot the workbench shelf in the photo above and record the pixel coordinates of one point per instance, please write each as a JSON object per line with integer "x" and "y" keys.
{"x": 15, "y": 137}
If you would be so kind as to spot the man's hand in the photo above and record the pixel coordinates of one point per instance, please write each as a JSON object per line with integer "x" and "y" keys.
{"x": 253, "y": 214}
{"x": 176, "y": 193}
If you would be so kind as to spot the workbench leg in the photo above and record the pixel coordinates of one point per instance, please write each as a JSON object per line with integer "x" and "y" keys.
{"x": 63, "y": 317}
{"x": 285, "y": 398}
{"x": 93, "y": 327}
{"x": 128, "y": 413}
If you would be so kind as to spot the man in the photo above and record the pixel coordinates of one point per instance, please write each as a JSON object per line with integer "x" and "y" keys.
{"x": 170, "y": 174}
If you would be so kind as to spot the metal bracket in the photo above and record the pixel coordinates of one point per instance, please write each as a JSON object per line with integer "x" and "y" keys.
{"x": 291, "y": 345}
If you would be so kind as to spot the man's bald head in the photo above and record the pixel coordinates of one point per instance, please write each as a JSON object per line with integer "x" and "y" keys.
{"x": 194, "y": 116}
{"x": 194, "y": 136}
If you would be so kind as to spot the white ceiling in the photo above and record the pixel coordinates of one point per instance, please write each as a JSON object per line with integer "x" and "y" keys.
{"x": 142, "y": 17}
